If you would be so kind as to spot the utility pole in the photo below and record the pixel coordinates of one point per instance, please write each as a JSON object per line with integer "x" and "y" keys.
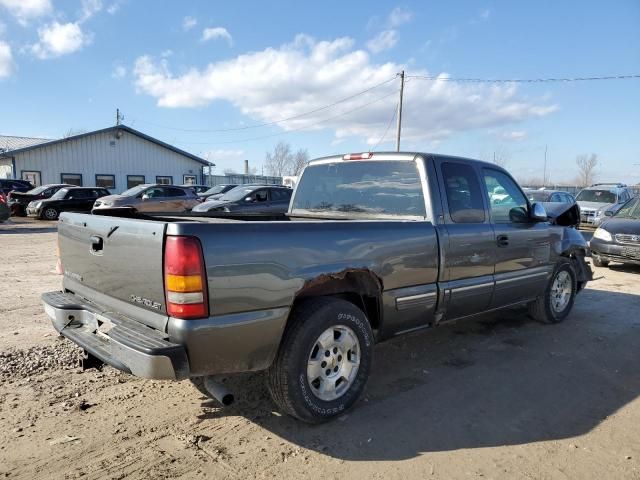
{"x": 400, "y": 111}
{"x": 544, "y": 171}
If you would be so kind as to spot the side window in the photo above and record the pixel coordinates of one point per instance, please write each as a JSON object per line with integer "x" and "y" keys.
{"x": 464, "y": 195}
{"x": 280, "y": 195}
{"x": 510, "y": 204}
{"x": 556, "y": 197}
{"x": 156, "y": 192}
{"x": 176, "y": 192}
{"x": 568, "y": 198}
{"x": 260, "y": 196}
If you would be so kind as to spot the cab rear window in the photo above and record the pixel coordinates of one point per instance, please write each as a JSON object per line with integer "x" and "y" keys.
{"x": 361, "y": 188}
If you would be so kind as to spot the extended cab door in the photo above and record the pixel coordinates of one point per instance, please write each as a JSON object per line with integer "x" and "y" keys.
{"x": 468, "y": 245}
{"x": 523, "y": 264}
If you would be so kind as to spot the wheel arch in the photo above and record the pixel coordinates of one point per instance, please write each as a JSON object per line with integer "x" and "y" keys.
{"x": 361, "y": 287}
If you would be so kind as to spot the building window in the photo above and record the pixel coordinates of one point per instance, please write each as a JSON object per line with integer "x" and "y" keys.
{"x": 134, "y": 180}
{"x": 164, "y": 180}
{"x": 189, "y": 179}
{"x": 32, "y": 176}
{"x": 106, "y": 181}
{"x": 71, "y": 178}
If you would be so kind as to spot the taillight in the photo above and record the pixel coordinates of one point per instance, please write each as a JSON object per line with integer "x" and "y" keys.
{"x": 358, "y": 156}
{"x": 185, "y": 281}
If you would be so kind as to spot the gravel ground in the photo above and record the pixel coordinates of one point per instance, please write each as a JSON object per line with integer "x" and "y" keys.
{"x": 497, "y": 397}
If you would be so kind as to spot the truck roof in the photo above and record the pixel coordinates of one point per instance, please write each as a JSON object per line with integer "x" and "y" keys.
{"x": 406, "y": 156}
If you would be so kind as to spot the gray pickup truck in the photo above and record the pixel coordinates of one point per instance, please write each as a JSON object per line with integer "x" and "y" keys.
{"x": 374, "y": 246}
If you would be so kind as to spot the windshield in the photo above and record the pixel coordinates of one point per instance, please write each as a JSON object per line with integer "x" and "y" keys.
{"x": 600, "y": 196}
{"x": 133, "y": 191}
{"x": 60, "y": 194}
{"x": 379, "y": 188}
{"x": 237, "y": 193}
{"x": 216, "y": 189}
{"x": 538, "y": 196}
{"x": 37, "y": 190}
{"x": 631, "y": 209}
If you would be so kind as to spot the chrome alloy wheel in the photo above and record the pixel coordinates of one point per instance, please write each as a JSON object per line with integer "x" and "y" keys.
{"x": 561, "y": 292}
{"x": 333, "y": 362}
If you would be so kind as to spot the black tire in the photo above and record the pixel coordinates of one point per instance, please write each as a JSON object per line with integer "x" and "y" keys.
{"x": 542, "y": 309}
{"x": 287, "y": 377}
{"x": 599, "y": 261}
{"x": 49, "y": 213}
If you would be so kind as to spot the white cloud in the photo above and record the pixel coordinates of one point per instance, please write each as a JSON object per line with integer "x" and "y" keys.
{"x": 218, "y": 155}
{"x": 6, "y": 60}
{"x": 115, "y": 7}
{"x": 25, "y": 10}
{"x": 166, "y": 53}
{"x": 215, "y": 33}
{"x": 306, "y": 75}
{"x": 383, "y": 41}
{"x": 3, "y": 29}
{"x": 398, "y": 16}
{"x": 57, "y": 39}
{"x": 485, "y": 14}
{"x": 119, "y": 72}
{"x": 188, "y": 23}
{"x": 515, "y": 135}
{"x": 89, "y": 9}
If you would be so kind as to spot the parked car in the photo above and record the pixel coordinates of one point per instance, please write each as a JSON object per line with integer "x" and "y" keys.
{"x": 250, "y": 199}
{"x": 384, "y": 245}
{"x": 557, "y": 203}
{"x": 5, "y": 211}
{"x": 618, "y": 238}
{"x": 596, "y": 200}
{"x": 69, "y": 199}
{"x": 7, "y": 185}
{"x": 216, "y": 191}
{"x": 18, "y": 201}
{"x": 151, "y": 198}
{"x": 197, "y": 188}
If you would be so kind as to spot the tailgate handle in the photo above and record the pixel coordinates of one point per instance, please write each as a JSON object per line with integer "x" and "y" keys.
{"x": 97, "y": 243}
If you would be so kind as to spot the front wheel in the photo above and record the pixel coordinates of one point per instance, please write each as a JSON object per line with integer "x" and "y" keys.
{"x": 324, "y": 359}
{"x": 557, "y": 301}
{"x": 50, "y": 213}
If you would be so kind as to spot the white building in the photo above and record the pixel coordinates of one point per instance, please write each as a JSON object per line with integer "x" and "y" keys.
{"x": 116, "y": 158}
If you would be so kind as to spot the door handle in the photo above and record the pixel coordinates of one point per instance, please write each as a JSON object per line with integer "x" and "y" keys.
{"x": 97, "y": 243}
{"x": 503, "y": 240}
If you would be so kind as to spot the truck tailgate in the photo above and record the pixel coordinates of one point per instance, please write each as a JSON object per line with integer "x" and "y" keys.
{"x": 115, "y": 262}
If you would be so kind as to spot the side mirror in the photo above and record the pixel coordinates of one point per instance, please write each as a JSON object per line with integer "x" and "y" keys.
{"x": 608, "y": 213}
{"x": 248, "y": 199}
{"x": 145, "y": 196}
{"x": 538, "y": 213}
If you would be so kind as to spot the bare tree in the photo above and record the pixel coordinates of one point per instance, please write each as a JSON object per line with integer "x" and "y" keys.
{"x": 587, "y": 165}
{"x": 300, "y": 160}
{"x": 501, "y": 157}
{"x": 279, "y": 162}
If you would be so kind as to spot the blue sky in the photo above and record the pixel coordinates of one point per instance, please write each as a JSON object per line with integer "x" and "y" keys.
{"x": 177, "y": 69}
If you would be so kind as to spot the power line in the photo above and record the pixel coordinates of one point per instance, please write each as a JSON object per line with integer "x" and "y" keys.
{"x": 303, "y": 127}
{"x": 275, "y": 122}
{"x": 522, "y": 80}
{"x": 395, "y": 112}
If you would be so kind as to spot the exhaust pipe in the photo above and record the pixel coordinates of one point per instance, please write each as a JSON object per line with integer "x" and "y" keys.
{"x": 218, "y": 391}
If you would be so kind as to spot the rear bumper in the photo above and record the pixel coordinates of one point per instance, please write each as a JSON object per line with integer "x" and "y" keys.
{"x": 120, "y": 342}
{"x": 232, "y": 343}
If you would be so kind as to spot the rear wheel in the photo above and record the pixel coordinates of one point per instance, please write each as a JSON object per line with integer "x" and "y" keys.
{"x": 324, "y": 360}
{"x": 50, "y": 213}
{"x": 557, "y": 301}
{"x": 599, "y": 261}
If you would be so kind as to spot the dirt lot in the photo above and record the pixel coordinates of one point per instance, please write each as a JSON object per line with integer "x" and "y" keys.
{"x": 498, "y": 397}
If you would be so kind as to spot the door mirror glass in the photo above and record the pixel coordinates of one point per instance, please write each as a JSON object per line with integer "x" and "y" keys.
{"x": 608, "y": 213}
{"x": 538, "y": 212}
{"x": 248, "y": 199}
{"x": 145, "y": 196}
